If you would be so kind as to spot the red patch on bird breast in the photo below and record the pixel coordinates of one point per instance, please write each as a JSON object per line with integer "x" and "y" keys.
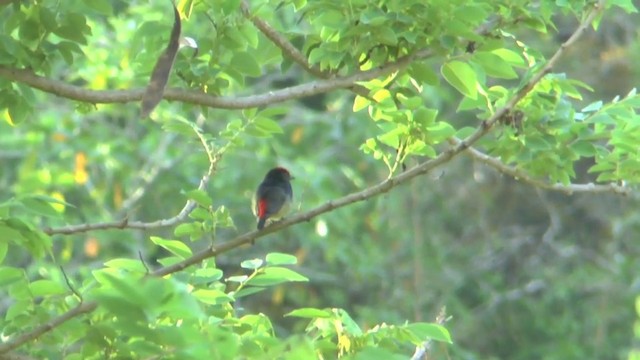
{"x": 262, "y": 207}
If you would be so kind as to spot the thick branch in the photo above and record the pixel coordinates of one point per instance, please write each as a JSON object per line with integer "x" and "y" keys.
{"x": 331, "y": 205}
{"x": 65, "y": 90}
{"x": 526, "y": 178}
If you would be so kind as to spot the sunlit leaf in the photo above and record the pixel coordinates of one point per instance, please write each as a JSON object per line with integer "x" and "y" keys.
{"x": 462, "y": 77}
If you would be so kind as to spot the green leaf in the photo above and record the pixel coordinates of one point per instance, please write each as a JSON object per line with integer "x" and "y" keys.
{"x": 176, "y": 247}
{"x": 594, "y": 106}
{"x": 200, "y": 197}
{"x": 246, "y": 63}
{"x": 39, "y": 206}
{"x": 47, "y": 288}
{"x": 212, "y": 296}
{"x": 360, "y": 103}
{"x": 102, "y": 6}
{"x": 207, "y": 275}
{"x": 188, "y": 229}
{"x": 4, "y": 247}
{"x": 238, "y": 278}
{"x": 425, "y": 117}
{"x": 494, "y": 65}
{"x": 247, "y": 291}
{"x": 9, "y": 234}
{"x": 424, "y": 331}
{"x": 424, "y": 74}
{"x": 310, "y": 313}
{"x": 626, "y": 5}
{"x": 386, "y": 35}
{"x": 9, "y": 275}
{"x": 251, "y": 264}
{"x": 276, "y": 258}
{"x": 267, "y": 125}
{"x": 133, "y": 265}
{"x": 275, "y": 275}
{"x": 462, "y": 77}
{"x": 584, "y": 148}
{"x": 510, "y": 57}
{"x": 439, "y": 132}
{"x": 376, "y": 353}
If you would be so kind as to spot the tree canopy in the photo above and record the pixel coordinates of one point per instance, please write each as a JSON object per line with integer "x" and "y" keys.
{"x": 465, "y": 179}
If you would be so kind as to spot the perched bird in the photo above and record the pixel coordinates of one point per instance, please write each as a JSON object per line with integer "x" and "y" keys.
{"x": 272, "y": 200}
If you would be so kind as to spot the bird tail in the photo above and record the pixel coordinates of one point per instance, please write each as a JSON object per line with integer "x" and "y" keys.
{"x": 261, "y": 222}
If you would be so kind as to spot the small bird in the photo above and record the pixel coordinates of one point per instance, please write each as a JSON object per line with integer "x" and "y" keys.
{"x": 272, "y": 200}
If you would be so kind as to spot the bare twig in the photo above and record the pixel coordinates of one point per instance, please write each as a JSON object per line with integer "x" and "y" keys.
{"x": 73, "y": 290}
{"x": 144, "y": 263}
{"x": 365, "y": 194}
{"x": 526, "y": 178}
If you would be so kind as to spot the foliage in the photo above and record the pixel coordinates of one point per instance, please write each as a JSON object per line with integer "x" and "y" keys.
{"x": 127, "y": 224}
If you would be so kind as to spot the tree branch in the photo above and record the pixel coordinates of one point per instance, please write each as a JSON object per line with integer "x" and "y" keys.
{"x": 378, "y": 189}
{"x": 526, "y": 178}
{"x": 65, "y": 90}
{"x": 83, "y": 308}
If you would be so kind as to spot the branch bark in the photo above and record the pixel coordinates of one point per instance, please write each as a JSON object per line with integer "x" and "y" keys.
{"x": 62, "y": 89}
{"x": 526, "y": 178}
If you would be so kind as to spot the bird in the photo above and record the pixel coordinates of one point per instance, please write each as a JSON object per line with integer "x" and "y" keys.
{"x": 272, "y": 200}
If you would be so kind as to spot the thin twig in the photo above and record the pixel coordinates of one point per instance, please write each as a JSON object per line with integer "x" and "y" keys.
{"x": 526, "y": 178}
{"x": 291, "y": 51}
{"x": 378, "y": 189}
{"x": 143, "y": 262}
{"x": 73, "y": 290}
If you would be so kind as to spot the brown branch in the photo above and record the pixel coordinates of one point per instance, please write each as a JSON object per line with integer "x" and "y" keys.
{"x": 524, "y": 177}
{"x": 48, "y": 326}
{"x": 62, "y": 89}
{"x": 378, "y": 189}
